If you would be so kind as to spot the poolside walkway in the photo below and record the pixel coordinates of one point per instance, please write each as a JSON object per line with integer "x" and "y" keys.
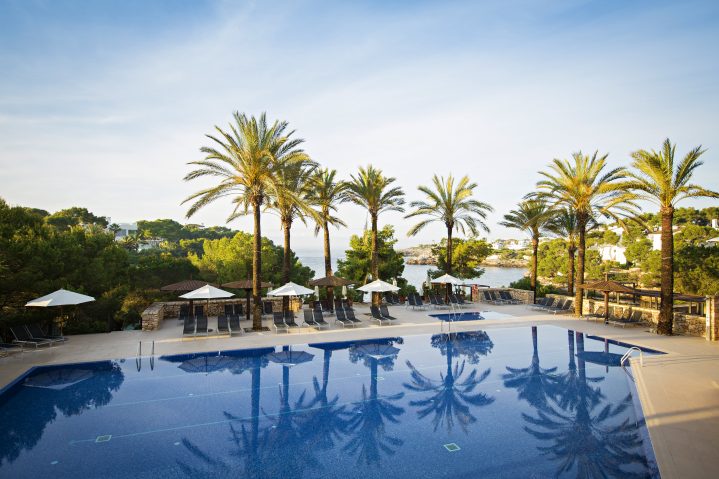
{"x": 679, "y": 391}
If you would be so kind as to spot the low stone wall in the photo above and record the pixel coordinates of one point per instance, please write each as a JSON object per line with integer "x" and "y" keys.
{"x": 154, "y": 314}
{"x": 527, "y": 297}
{"x": 152, "y": 317}
{"x": 684, "y": 323}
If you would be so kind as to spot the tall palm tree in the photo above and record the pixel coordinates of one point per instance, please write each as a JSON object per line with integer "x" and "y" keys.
{"x": 291, "y": 202}
{"x": 563, "y": 224}
{"x": 585, "y": 186}
{"x": 655, "y": 178}
{"x": 246, "y": 159}
{"x": 454, "y": 207}
{"x": 530, "y": 216}
{"x": 326, "y": 194}
{"x": 372, "y": 190}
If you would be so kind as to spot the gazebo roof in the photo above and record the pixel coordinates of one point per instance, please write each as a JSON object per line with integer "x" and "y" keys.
{"x": 331, "y": 281}
{"x": 608, "y": 286}
{"x": 187, "y": 285}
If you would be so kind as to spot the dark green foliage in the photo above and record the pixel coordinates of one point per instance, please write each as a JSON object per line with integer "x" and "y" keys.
{"x": 67, "y": 218}
{"x": 525, "y": 283}
{"x": 230, "y": 259}
{"x": 357, "y": 263}
{"x": 467, "y": 255}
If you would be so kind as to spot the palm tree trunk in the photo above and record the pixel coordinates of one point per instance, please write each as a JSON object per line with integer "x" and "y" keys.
{"x": 533, "y": 273}
{"x": 666, "y": 309}
{"x": 570, "y": 269}
{"x": 579, "y": 278}
{"x": 375, "y": 258}
{"x": 286, "y": 266}
{"x": 449, "y": 262}
{"x": 328, "y": 257}
{"x": 257, "y": 268}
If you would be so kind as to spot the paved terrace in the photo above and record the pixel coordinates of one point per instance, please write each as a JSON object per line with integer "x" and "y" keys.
{"x": 679, "y": 391}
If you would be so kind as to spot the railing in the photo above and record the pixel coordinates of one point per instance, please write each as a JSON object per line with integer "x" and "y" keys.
{"x": 628, "y": 355}
{"x": 138, "y": 359}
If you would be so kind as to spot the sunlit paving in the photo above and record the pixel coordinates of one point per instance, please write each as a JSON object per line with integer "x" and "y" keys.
{"x": 359, "y": 240}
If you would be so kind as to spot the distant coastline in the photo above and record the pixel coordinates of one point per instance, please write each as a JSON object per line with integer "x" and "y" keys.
{"x": 422, "y": 255}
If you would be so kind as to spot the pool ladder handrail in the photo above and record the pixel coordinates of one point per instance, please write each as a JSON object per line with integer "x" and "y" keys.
{"x": 138, "y": 359}
{"x": 628, "y": 355}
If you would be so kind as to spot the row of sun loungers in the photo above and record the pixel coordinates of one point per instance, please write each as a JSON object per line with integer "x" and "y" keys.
{"x": 313, "y": 317}
{"x": 31, "y": 335}
{"x": 499, "y": 297}
{"x": 626, "y": 318}
{"x": 554, "y": 305}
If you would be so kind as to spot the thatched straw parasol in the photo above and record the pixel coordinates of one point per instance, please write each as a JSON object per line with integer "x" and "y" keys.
{"x": 607, "y": 286}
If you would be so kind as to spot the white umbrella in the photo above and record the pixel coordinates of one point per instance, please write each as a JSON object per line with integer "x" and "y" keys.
{"x": 378, "y": 286}
{"x": 344, "y": 292}
{"x": 394, "y": 281}
{"x": 317, "y": 292}
{"x": 447, "y": 279}
{"x": 290, "y": 289}
{"x": 61, "y": 297}
{"x": 207, "y": 292}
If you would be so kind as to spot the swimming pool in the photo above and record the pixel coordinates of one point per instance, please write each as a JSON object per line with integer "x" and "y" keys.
{"x": 461, "y": 316}
{"x": 508, "y": 402}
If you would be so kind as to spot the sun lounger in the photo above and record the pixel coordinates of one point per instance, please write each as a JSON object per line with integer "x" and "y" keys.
{"x": 222, "y": 326}
{"x": 199, "y": 310}
{"x": 567, "y": 307}
{"x": 351, "y": 316}
{"x": 319, "y": 319}
{"x": 188, "y": 328}
{"x": 557, "y": 307}
{"x": 289, "y": 317}
{"x": 279, "y": 322}
{"x": 201, "y": 327}
{"x": 309, "y": 318}
{"x": 342, "y": 319}
{"x": 7, "y": 348}
{"x": 505, "y": 295}
{"x": 497, "y": 298}
{"x": 418, "y": 303}
{"x": 489, "y": 299}
{"x": 375, "y": 315}
{"x": 338, "y": 305}
{"x": 632, "y": 319}
{"x": 384, "y": 311}
{"x": 598, "y": 314}
{"x": 235, "y": 324}
{"x": 543, "y": 304}
{"x": 22, "y": 337}
{"x": 36, "y": 333}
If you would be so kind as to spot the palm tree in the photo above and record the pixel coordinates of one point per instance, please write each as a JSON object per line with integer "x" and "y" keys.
{"x": 563, "y": 223}
{"x": 585, "y": 187}
{"x": 530, "y": 216}
{"x": 656, "y": 179}
{"x": 290, "y": 200}
{"x": 453, "y": 207}
{"x": 326, "y": 194}
{"x": 247, "y": 160}
{"x": 372, "y": 190}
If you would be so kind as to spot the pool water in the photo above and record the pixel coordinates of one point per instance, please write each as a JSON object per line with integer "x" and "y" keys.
{"x": 462, "y": 316}
{"x": 511, "y": 402}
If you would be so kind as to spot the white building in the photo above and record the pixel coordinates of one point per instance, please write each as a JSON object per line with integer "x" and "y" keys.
{"x": 126, "y": 229}
{"x": 612, "y": 252}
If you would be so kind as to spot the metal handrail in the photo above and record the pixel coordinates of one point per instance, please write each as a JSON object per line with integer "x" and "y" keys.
{"x": 628, "y": 355}
{"x": 139, "y": 349}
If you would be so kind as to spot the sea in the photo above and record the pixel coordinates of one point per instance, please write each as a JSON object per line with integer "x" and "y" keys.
{"x": 416, "y": 274}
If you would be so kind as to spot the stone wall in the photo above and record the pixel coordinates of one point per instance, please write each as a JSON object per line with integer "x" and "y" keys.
{"x": 684, "y": 323}
{"x": 152, "y": 317}
{"x": 154, "y": 314}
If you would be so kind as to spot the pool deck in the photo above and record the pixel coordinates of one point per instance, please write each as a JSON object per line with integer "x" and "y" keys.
{"x": 679, "y": 391}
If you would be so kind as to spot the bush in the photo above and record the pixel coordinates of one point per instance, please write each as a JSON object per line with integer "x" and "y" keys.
{"x": 542, "y": 290}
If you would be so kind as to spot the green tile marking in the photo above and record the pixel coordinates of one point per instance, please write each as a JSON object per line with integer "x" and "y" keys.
{"x": 105, "y": 438}
{"x": 451, "y": 447}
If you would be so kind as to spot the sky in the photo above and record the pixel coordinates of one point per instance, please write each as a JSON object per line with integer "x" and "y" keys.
{"x": 103, "y": 104}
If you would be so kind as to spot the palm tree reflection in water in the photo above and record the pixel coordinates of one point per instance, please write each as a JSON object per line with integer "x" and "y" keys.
{"x": 366, "y": 428}
{"x": 583, "y": 432}
{"x": 451, "y": 396}
{"x": 534, "y": 384}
